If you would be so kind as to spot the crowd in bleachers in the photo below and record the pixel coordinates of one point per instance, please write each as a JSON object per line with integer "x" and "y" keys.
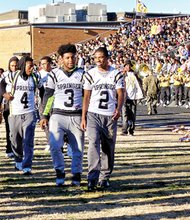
{"x": 160, "y": 44}
{"x": 144, "y": 41}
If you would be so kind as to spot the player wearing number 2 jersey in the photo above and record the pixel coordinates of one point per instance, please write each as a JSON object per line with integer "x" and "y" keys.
{"x": 22, "y": 118}
{"x": 101, "y": 86}
{"x": 64, "y": 84}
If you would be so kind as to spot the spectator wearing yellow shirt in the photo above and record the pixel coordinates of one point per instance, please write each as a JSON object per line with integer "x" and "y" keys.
{"x": 178, "y": 79}
{"x": 158, "y": 65}
{"x": 164, "y": 80}
{"x": 187, "y": 90}
{"x": 154, "y": 29}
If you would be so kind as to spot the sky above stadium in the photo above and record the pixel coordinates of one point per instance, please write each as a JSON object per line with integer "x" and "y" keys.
{"x": 164, "y": 6}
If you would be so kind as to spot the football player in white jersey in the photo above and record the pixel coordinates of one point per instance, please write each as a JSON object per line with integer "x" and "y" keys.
{"x": 64, "y": 86}
{"x": 22, "y": 118}
{"x": 45, "y": 64}
{"x": 102, "y": 103}
{"x": 12, "y": 68}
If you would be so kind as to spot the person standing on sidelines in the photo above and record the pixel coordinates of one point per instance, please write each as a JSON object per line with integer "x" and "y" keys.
{"x": 64, "y": 90}
{"x": 12, "y": 68}
{"x": 22, "y": 118}
{"x": 165, "y": 93}
{"x": 151, "y": 89}
{"x": 178, "y": 79}
{"x": 133, "y": 92}
{"x": 102, "y": 103}
{"x": 1, "y": 107}
{"x": 187, "y": 89}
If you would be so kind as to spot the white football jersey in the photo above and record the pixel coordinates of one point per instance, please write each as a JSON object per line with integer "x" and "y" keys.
{"x": 24, "y": 93}
{"x": 133, "y": 89}
{"x": 5, "y": 74}
{"x": 43, "y": 74}
{"x": 103, "y": 88}
{"x": 9, "y": 79}
{"x": 68, "y": 89}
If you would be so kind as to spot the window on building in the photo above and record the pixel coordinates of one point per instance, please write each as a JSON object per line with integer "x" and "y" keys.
{"x": 42, "y": 12}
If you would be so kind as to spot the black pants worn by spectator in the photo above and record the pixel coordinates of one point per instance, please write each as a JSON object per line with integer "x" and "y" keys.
{"x": 178, "y": 94}
{"x": 129, "y": 116}
{"x": 165, "y": 95}
{"x": 8, "y": 145}
{"x": 187, "y": 95}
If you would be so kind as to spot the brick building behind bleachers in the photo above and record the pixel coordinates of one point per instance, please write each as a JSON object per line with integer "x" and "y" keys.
{"x": 43, "y": 39}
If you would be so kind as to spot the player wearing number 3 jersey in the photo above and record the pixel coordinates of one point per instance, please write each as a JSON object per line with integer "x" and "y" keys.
{"x": 64, "y": 84}
{"x": 22, "y": 118}
{"x": 102, "y": 85}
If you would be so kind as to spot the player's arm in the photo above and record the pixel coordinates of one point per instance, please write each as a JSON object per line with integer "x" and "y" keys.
{"x": 48, "y": 94}
{"x": 1, "y": 110}
{"x": 120, "y": 95}
{"x": 41, "y": 92}
{"x": 2, "y": 87}
{"x": 86, "y": 101}
{"x": 120, "y": 100}
{"x": 39, "y": 83}
{"x": 3, "y": 93}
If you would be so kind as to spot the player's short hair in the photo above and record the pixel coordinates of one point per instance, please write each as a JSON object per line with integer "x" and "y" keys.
{"x": 102, "y": 50}
{"x": 66, "y": 48}
{"x": 47, "y": 58}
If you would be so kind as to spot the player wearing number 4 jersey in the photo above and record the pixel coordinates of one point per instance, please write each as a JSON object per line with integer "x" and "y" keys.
{"x": 22, "y": 118}
{"x": 64, "y": 84}
{"x": 101, "y": 86}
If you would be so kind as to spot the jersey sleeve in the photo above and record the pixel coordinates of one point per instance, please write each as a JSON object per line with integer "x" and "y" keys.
{"x": 48, "y": 106}
{"x": 51, "y": 80}
{"x": 39, "y": 80}
{"x": 8, "y": 79}
{"x": 47, "y": 102}
{"x": 87, "y": 81}
{"x": 119, "y": 80}
{"x": 2, "y": 89}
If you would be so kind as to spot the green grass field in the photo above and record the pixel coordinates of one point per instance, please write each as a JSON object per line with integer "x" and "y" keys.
{"x": 151, "y": 180}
